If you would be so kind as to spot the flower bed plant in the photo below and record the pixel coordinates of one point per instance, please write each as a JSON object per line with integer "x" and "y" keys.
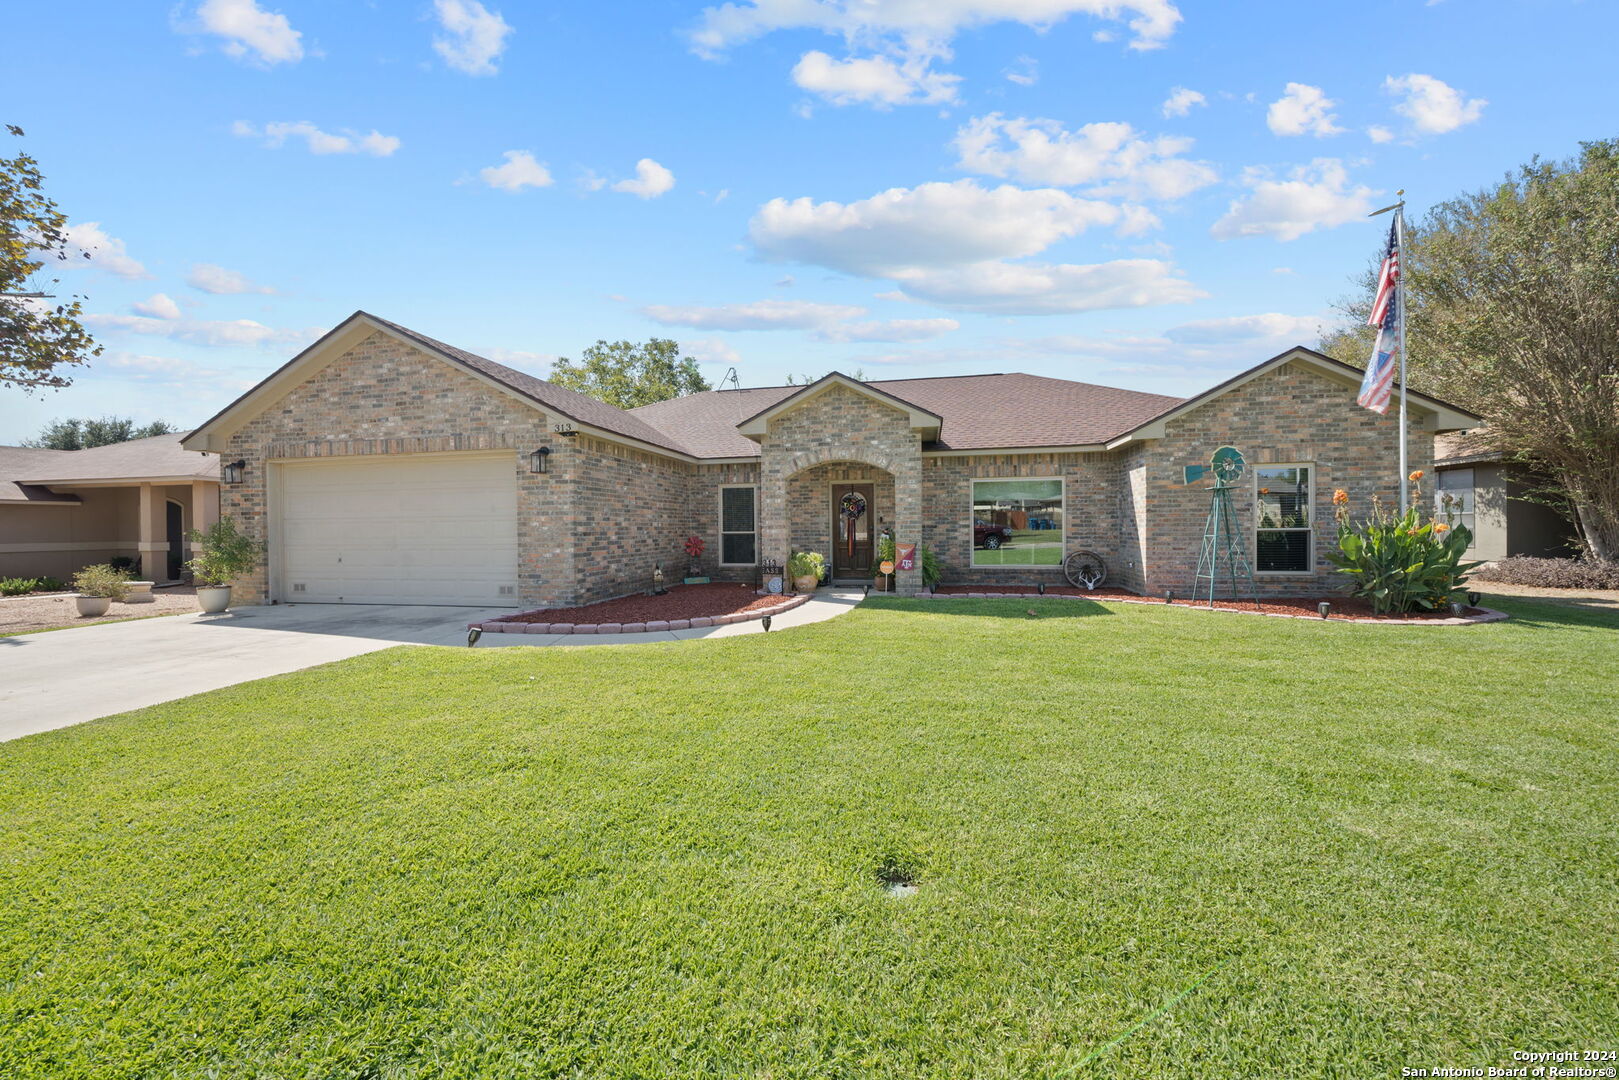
{"x": 102, "y": 580}
{"x": 224, "y": 553}
{"x": 1401, "y": 562}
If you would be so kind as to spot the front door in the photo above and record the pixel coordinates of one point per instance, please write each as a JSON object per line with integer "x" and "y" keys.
{"x": 175, "y": 527}
{"x": 854, "y": 511}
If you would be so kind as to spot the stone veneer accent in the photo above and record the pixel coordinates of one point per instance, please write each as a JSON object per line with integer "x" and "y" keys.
{"x": 840, "y": 425}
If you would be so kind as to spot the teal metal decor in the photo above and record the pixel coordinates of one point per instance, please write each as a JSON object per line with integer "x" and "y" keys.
{"x": 1223, "y": 551}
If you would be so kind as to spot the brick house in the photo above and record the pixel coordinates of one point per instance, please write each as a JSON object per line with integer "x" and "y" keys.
{"x": 384, "y": 466}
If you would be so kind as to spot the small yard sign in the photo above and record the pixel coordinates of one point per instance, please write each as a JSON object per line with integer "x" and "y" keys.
{"x": 907, "y": 556}
{"x": 886, "y": 566}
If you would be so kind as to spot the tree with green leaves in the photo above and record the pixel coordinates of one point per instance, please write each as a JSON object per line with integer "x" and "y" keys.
{"x": 38, "y": 340}
{"x": 75, "y": 433}
{"x": 858, "y": 375}
{"x": 628, "y": 375}
{"x": 1513, "y": 313}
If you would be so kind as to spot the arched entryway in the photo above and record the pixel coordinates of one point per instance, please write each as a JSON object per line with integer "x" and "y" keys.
{"x": 840, "y": 508}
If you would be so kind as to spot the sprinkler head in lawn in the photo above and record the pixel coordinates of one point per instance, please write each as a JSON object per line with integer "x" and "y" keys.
{"x": 896, "y": 877}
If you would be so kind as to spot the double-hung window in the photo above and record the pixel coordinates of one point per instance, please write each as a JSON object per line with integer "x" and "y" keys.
{"x": 739, "y": 533}
{"x": 1456, "y": 485}
{"x": 1283, "y": 526}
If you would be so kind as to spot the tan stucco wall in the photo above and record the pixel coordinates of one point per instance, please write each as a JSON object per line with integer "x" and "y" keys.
{"x": 57, "y": 541}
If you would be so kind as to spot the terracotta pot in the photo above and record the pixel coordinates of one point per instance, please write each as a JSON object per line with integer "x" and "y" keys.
{"x": 91, "y": 606}
{"x": 213, "y": 598}
{"x": 805, "y": 583}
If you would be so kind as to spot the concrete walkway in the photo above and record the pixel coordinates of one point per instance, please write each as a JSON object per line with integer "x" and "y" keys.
{"x": 65, "y": 677}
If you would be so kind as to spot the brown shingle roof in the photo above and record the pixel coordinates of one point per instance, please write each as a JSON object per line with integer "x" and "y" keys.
{"x": 980, "y": 412}
{"x": 138, "y": 459}
{"x": 18, "y": 461}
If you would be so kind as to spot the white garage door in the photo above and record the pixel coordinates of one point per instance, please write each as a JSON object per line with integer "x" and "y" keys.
{"x": 399, "y": 529}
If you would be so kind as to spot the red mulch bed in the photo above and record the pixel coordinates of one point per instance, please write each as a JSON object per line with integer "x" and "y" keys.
{"x": 680, "y": 602}
{"x": 1343, "y": 607}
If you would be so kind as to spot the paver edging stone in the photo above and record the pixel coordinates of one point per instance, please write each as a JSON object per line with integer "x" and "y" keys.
{"x": 698, "y": 622}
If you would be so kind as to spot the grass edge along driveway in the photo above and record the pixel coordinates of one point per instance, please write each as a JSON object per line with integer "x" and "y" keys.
{"x": 1146, "y": 843}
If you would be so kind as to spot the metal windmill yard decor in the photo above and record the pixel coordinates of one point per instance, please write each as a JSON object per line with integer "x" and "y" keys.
{"x": 1222, "y": 550}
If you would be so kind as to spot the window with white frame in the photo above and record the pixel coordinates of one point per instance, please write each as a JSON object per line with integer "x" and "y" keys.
{"x": 1017, "y": 522}
{"x": 739, "y": 533}
{"x": 1456, "y": 486}
{"x": 1283, "y": 529}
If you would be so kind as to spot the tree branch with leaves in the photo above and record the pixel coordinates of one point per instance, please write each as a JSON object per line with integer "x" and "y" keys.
{"x": 37, "y": 339}
{"x": 628, "y": 375}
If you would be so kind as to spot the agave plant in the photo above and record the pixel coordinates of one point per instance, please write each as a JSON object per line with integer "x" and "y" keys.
{"x": 1401, "y": 562}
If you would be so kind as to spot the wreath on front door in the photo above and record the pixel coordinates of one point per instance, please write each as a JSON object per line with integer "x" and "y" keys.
{"x": 853, "y": 505}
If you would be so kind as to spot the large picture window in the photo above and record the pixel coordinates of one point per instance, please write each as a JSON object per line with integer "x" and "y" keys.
{"x": 739, "y": 536}
{"x": 1017, "y": 522}
{"x": 1284, "y": 532}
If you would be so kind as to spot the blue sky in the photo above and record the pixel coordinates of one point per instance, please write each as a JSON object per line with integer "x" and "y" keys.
{"x": 1142, "y": 193}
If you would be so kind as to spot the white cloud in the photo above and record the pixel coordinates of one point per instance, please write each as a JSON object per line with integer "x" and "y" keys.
{"x": 874, "y": 80}
{"x": 1025, "y": 71}
{"x": 275, "y": 135}
{"x": 1379, "y": 134}
{"x": 222, "y": 282}
{"x": 1269, "y": 327}
{"x": 1111, "y": 158}
{"x": 1314, "y": 196}
{"x": 758, "y": 315}
{"x": 711, "y": 351}
{"x": 1432, "y": 106}
{"x": 931, "y": 224}
{"x": 157, "y": 306}
{"x": 651, "y": 180}
{"x": 520, "y": 171}
{"x": 947, "y": 244}
{"x": 207, "y": 332}
{"x": 1302, "y": 110}
{"x": 473, "y": 38}
{"x": 250, "y": 32}
{"x": 888, "y": 330}
{"x": 106, "y": 252}
{"x": 1181, "y": 100}
{"x": 828, "y": 322}
{"x": 930, "y": 22}
{"x": 1006, "y": 288}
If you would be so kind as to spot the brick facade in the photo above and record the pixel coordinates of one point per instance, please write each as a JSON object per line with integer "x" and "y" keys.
{"x": 840, "y": 426}
{"x": 594, "y": 526}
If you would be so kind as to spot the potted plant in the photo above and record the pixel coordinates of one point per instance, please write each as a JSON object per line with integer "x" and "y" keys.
{"x": 97, "y": 587}
{"x": 224, "y": 553}
{"x": 805, "y": 569}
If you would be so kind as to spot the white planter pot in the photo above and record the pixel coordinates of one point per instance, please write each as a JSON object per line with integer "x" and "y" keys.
{"x": 213, "y": 598}
{"x": 91, "y": 606}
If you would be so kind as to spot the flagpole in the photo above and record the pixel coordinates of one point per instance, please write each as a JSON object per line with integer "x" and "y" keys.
{"x": 1399, "y": 234}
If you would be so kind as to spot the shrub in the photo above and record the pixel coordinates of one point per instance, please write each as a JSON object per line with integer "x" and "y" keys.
{"x": 103, "y": 580}
{"x": 930, "y": 567}
{"x": 806, "y": 564}
{"x": 122, "y": 562}
{"x": 224, "y": 553}
{"x": 49, "y": 584}
{"x": 1401, "y": 562}
{"x": 17, "y": 586}
{"x": 1553, "y": 573}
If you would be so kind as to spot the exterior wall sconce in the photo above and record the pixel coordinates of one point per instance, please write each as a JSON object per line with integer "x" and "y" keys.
{"x": 233, "y": 472}
{"x": 537, "y": 460}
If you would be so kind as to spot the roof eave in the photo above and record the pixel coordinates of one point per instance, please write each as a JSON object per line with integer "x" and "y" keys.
{"x": 756, "y": 426}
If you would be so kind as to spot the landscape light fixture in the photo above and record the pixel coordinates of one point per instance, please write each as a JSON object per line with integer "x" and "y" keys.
{"x": 766, "y": 623}
{"x": 1323, "y": 607}
{"x": 537, "y": 460}
{"x": 233, "y": 472}
{"x": 473, "y": 635}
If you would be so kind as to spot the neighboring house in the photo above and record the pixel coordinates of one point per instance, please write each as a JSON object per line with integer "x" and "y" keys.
{"x": 384, "y": 466}
{"x": 1487, "y": 495}
{"x": 61, "y": 510}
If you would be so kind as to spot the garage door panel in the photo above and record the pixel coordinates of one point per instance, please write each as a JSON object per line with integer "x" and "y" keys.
{"x": 400, "y": 529}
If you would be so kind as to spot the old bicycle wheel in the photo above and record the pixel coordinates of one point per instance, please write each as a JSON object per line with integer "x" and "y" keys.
{"x": 1084, "y": 569}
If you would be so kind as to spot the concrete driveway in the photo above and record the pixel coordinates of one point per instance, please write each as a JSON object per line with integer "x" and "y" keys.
{"x": 66, "y": 677}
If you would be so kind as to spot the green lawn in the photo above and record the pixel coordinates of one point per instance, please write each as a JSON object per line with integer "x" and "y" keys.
{"x": 1149, "y": 842}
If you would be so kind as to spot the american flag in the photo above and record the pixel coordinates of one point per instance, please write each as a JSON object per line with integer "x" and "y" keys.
{"x": 1379, "y": 380}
